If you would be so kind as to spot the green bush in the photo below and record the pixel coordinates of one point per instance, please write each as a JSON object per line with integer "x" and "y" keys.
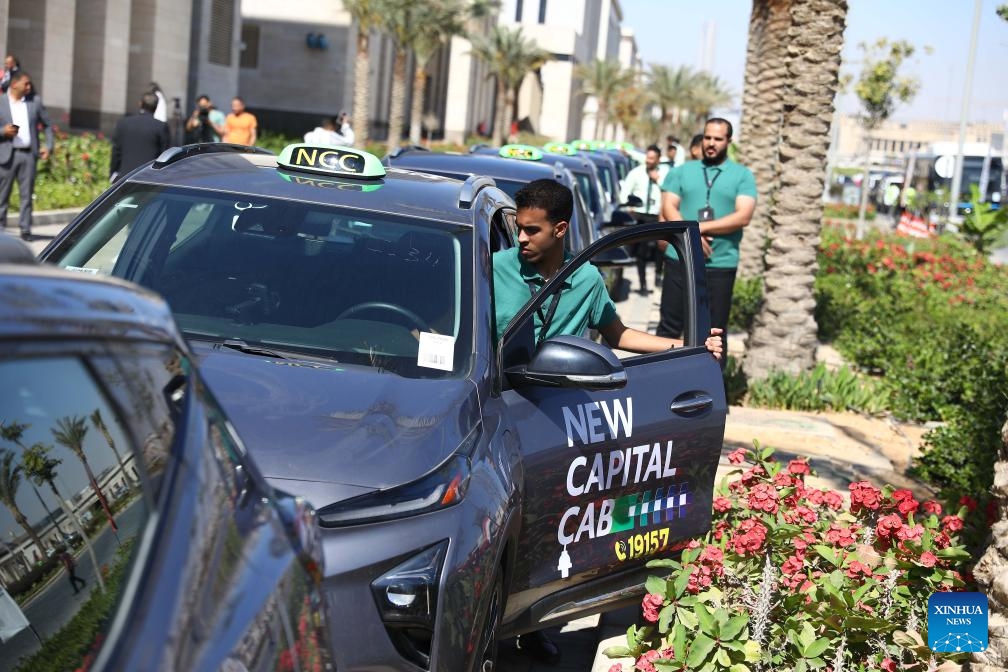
{"x": 819, "y": 390}
{"x": 929, "y": 318}
{"x": 75, "y": 174}
{"x": 747, "y": 297}
{"x": 845, "y": 211}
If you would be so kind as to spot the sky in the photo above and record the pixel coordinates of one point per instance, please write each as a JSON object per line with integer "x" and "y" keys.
{"x": 669, "y": 32}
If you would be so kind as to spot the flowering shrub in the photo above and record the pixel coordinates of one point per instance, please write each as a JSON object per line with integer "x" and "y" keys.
{"x": 74, "y": 175}
{"x": 930, "y": 318}
{"x": 792, "y": 577}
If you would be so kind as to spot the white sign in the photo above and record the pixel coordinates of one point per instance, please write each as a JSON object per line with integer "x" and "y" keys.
{"x": 945, "y": 166}
{"x": 436, "y": 351}
{"x": 12, "y": 619}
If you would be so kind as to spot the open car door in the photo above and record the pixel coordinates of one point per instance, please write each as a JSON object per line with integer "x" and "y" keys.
{"x": 619, "y": 456}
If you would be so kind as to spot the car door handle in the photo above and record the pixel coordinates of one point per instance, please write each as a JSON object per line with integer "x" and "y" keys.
{"x": 692, "y": 404}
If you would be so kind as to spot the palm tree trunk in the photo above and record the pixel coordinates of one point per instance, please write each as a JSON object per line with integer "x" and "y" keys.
{"x": 762, "y": 110}
{"x": 362, "y": 88}
{"x": 416, "y": 109}
{"x": 991, "y": 571}
{"x": 500, "y": 106}
{"x": 784, "y": 331}
{"x": 22, "y": 520}
{"x": 398, "y": 98}
{"x": 80, "y": 530}
{"x": 100, "y": 425}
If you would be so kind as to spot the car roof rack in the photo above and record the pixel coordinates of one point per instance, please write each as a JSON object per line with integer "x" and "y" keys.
{"x": 471, "y": 187}
{"x": 173, "y": 154}
{"x": 399, "y": 151}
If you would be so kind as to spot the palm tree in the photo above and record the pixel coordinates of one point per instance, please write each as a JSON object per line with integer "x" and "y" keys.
{"x": 603, "y": 80}
{"x": 437, "y": 22}
{"x": 784, "y": 332}
{"x": 367, "y": 15}
{"x": 40, "y": 467}
{"x": 762, "y": 109}
{"x": 670, "y": 89}
{"x": 99, "y": 424}
{"x": 10, "y": 481}
{"x": 707, "y": 92}
{"x": 70, "y": 432}
{"x": 510, "y": 57}
{"x": 628, "y": 109}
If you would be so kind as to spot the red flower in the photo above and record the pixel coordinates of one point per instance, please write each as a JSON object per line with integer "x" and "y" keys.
{"x": 855, "y": 568}
{"x": 864, "y": 496}
{"x": 792, "y": 565}
{"x": 644, "y": 662}
{"x": 832, "y": 499}
{"x": 907, "y": 533}
{"x": 763, "y": 497}
{"x": 801, "y": 514}
{"x": 887, "y": 525}
{"x": 968, "y": 502}
{"x": 840, "y": 536}
{"x": 750, "y": 537}
{"x": 85, "y": 156}
{"x": 928, "y": 559}
{"x": 952, "y": 524}
{"x": 799, "y": 466}
{"x": 722, "y": 504}
{"x": 783, "y": 479}
{"x": 931, "y": 506}
{"x": 907, "y": 506}
{"x": 618, "y": 667}
{"x": 651, "y": 604}
{"x": 888, "y": 665}
{"x": 737, "y": 456}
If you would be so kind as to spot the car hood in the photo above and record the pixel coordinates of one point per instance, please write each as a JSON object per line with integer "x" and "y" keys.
{"x": 345, "y": 429}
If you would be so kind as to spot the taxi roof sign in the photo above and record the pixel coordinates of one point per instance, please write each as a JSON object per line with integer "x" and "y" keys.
{"x": 524, "y": 152}
{"x": 560, "y": 148}
{"x": 587, "y": 145}
{"x": 331, "y": 160}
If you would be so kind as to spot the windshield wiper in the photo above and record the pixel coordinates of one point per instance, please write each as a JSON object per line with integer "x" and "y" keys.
{"x": 242, "y": 346}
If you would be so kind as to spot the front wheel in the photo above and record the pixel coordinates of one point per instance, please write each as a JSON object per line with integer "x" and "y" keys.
{"x": 486, "y": 660}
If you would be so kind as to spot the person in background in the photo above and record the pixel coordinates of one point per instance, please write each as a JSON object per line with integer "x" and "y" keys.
{"x": 138, "y": 138}
{"x": 323, "y": 134}
{"x": 671, "y": 150}
{"x": 240, "y": 127}
{"x": 161, "y": 112}
{"x": 696, "y": 147}
{"x": 344, "y": 131}
{"x": 721, "y": 195}
{"x": 206, "y": 123}
{"x": 644, "y": 181}
{"x": 20, "y": 118}
{"x": 11, "y": 67}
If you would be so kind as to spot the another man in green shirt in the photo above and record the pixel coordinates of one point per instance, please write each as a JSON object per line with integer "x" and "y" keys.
{"x": 721, "y": 195}
{"x": 544, "y": 208}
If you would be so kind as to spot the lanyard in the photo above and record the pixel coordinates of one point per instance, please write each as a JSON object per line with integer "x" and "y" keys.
{"x": 710, "y": 182}
{"x": 546, "y": 319}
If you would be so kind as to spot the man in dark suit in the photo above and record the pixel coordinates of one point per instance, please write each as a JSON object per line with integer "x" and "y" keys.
{"x": 138, "y": 138}
{"x": 20, "y": 118}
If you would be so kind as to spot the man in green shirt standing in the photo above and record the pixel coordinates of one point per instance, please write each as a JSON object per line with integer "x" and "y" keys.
{"x": 544, "y": 208}
{"x": 721, "y": 195}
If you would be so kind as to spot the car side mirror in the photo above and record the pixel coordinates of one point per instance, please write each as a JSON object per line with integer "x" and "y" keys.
{"x": 568, "y": 361}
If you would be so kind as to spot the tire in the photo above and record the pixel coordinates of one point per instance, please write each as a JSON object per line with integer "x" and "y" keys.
{"x": 486, "y": 657}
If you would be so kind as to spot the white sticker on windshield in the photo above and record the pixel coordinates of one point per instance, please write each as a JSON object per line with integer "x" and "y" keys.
{"x": 437, "y": 351}
{"x": 82, "y": 269}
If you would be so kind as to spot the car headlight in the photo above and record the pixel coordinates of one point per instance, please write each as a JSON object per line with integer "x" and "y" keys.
{"x": 443, "y": 487}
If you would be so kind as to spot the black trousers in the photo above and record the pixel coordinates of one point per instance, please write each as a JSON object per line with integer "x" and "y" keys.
{"x": 643, "y": 253}
{"x": 720, "y": 285}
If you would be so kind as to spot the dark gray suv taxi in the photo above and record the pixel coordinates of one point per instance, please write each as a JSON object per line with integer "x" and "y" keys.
{"x": 468, "y": 489}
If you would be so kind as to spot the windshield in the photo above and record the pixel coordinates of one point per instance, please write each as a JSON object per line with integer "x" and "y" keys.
{"x": 288, "y": 279}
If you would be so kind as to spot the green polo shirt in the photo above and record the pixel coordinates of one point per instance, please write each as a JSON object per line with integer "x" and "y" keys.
{"x": 729, "y": 180}
{"x": 584, "y": 302}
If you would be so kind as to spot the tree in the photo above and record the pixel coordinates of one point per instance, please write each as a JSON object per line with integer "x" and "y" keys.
{"x": 784, "y": 332}
{"x": 604, "y": 80}
{"x": 99, "y": 424}
{"x": 670, "y": 90}
{"x": 438, "y": 21}
{"x": 40, "y": 467}
{"x": 367, "y": 15}
{"x": 879, "y": 89}
{"x": 10, "y": 481}
{"x": 69, "y": 433}
{"x": 510, "y": 57}
{"x": 762, "y": 110}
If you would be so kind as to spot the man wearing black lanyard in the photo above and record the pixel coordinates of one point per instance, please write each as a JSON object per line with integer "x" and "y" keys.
{"x": 544, "y": 208}
{"x": 721, "y": 195}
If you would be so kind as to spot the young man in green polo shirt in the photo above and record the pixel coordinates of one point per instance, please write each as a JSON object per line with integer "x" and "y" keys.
{"x": 544, "y": 209}
{"x": 721, "y": 195}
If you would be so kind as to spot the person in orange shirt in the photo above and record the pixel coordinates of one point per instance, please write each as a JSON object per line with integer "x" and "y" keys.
{"x": 240, "y": 126}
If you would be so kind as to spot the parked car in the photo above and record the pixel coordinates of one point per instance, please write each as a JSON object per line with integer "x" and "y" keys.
{"x": 468, "y": 488}
{"x": 209, "y": 568}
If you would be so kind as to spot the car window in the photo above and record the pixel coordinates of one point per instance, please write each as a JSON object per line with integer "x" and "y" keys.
{"x": 349, "y": 286}
{"x": 78, "y": 482}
